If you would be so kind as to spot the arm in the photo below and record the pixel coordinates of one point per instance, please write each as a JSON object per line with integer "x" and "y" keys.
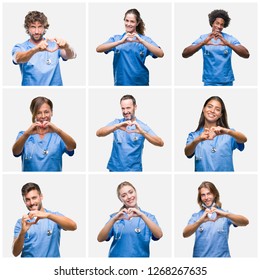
{"x": 19, "y": 144}
{"x": 18, "y": 242}
{"x": 68, "y": 140}
{"x": 192, "y": 49}
{"x": 191, "y": 228}
{"x": 155, "y": 229}
{"x": 153, "y": 139}
{"x": 67, "y": 51}
{"x": 62, "y": 221}
{"x": 238, "y": 220}
{"x": 25, "y": 56}
{"x": 239, "y": 137}
{"x": 153, "y": 49}
{"x": 103, "y": 234}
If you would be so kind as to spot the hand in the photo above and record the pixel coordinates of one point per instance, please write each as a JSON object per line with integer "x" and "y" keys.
{"x": 127, "y": 214}
{"x": 42, "y": 46}
{"x": 130, "y": 38}
{"x": 61, "y": 43}
{"x": 207, "y": 134}
{"x": 218, "y": 130}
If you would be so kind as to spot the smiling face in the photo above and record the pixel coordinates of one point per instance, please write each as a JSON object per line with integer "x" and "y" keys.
{"x": 130, "y": 23}
{"x": 207, "y": 197}
{"x": 128, "y": 196}
{"x": 33, "y": 200}
{"x": 128, "y": 109}
{"x": 44, "y": 113}
{"x": 212, "y": 111}
{"x": 218, "y": 25}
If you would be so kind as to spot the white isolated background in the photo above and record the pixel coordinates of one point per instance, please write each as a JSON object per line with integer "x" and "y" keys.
{"x": 64, "y": 194}
{"x": 153, "y": 196}
{"x": 66, "y": 20}
{"x": 153, "y": 108}
{"x": 107, "y": 20}
{"x": 241, "y": 106}
{"x": 68, "y": 114}
{"x": 238, "y": 194}
{"x": 191, "y": 21}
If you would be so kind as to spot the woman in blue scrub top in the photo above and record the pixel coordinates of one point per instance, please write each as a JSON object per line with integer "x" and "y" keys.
{"x": 131, "y": 228}
{"x": 42, "y": 145}
{"x": 213, "y": 142}
{"x": 130, "y": 51}
{"x": 211, "y": 224}
{"x": 217, "y": 48}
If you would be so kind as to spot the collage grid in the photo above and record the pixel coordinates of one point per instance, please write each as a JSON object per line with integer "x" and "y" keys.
{"x": 171, "y": 104}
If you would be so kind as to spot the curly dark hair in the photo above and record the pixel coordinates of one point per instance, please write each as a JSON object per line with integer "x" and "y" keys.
{"x": 34, "y": 16}
{"x": 219, "y": 14}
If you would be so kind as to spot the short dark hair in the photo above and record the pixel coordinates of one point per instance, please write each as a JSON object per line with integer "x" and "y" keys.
{"x": 219, "y": 14}
{"x": 128, "y": 96}
{"x": 30, "y": 187}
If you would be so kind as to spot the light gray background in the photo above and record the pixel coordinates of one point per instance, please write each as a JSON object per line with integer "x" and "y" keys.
{"x": 238, "y": 194}
{"x": 153, "y": 108}
{"x": 103, "y": 24}
{"x": 68, "y": 197}
{"x": 67, "y": 21}
{"x": 241, "y": 106}
{"x": 68, "y": 114}
{"x": 153, "y": 195}
{"x": 191, "y": 21}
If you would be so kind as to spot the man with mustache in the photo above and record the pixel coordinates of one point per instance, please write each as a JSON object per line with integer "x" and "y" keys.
{"x": 37, "y": 234}
{"x": 129, "y": 135}
{"x": 211, "y": 224}
{"x": 38, "y": 57}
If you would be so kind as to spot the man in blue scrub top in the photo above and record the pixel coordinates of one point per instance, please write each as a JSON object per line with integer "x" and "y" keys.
{"x": 37, "y": 234}
{"x": 217, "y": 48}
{"x": 38, "y": 57}
{"x": 129, "y": 135}
{"x": 211, "y": 224}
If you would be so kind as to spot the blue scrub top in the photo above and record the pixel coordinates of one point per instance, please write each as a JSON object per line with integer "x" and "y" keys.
{"x": 221, "y": 159}
{"x": 127, "y": 242}
{"x": 211, "y": 238}
{"x": 129, "y": 62}
{"x": 217, "y": 67}
{"x": 34, "y": 158}
{"x": 42, "y": 240}
{"x": 127, "y": 148}
{"x": 43, "y": 68}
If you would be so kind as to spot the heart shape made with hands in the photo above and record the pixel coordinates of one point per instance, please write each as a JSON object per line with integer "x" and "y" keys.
{"x": 52, "y": 50}
{"x": 127, "y": 128}
{"x": 212, "y": 216}
{"x": 129, "y": 214}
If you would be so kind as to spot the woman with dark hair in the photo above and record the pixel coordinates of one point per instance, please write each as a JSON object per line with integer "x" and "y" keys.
{"x": 217, "y": 48}
{"x": 211, "y": 224}
{"x": 130, "y": 51}
{"x": 42, "y": 145}
{"x": 131, "y": 227}
{"x": 213, "y": 141}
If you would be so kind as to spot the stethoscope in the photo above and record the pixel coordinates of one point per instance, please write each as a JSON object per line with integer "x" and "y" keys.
{"x": 122, "y": 222}
{"x": 45, "y": 152}
{"x": 211, "y": 216}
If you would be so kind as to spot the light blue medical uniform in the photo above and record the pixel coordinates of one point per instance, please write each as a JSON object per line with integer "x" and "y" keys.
{"x": 43, "y": 68}
{"x": 42, "y": 240}
{"x": 217, "y": 66}
{"x": 128, "y": 63}
{"x": 216, "y": 154}
{"x": 211, "y": 238}
{"x": 129, "y": 243}
{"x": 127, "y": 148}
{"x": 35, "y": 159}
